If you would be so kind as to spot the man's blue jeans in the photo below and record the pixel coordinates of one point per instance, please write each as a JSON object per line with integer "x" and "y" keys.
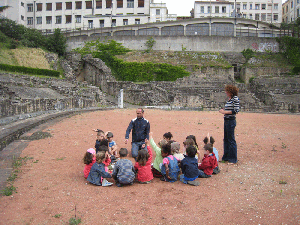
{"x": 135, "y": 147}
{"x": 230, "y": 148}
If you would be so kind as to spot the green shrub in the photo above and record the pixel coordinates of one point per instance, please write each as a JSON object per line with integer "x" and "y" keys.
{"x": 131, "y": 71}
{"x": 248, "y": 53}
{"x": 28, "y": 70}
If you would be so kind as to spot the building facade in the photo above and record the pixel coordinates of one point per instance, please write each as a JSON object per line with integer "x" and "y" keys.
{"x": 290, "y": 11}
{"x": 78, "y": 14}
{"x": 262, "y": 10}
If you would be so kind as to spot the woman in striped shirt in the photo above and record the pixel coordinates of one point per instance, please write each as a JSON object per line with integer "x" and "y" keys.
{"x": 232, "y": 107}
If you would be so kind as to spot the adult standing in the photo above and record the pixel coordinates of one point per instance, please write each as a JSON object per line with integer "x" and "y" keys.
{"x": 140, "y": 131}
{"x": 232, "y": 107}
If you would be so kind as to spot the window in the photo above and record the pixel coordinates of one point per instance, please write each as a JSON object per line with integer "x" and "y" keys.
{"x": 90, "y": 22}
{"x": 22, "y": 17}
{"x": 114, "y": 23}
{"x": 29, "y": 8}
{"x": 68, "y": 5}
{"x": 119, "y": 3}
{"x": 68, "y": 19}
{"x": 216, "y": 9}
{"x": 244, "y": 15}
{"x": 208, "y": 9}
{"x": 58, "y": 19}
{"x": 130, "y": 3}
{"x": 256, "y": 16}
{"x": 39, "y": 6}
{"x": 78, "y": 5}
{"x": 108, "y": 4}
{"x": 244, "y": 6}
{"x": 158, "y": 12}
{"x": 88, "y": 5}
{"x": 125, "y": 22}
{"x": 202, "y": 9}
{"x": 48, "y": 19}
{"x": 257, "y": 6}
{"x": 101, "y": 23}
{"x": 292, "y": 5}
{"x": 250, "y": 6}
{"x": 137, "y": 21}
{"x": 282, "y": 10}
{"x": 22, "y": 4}
{"x": 250, "y": 16}
{"x": 298, "y": 12}
{"x": 223, "y": 9}
{"x": 78, "y": 18}
{"x": 58, "y": 5}
{"x": 276, "y": 6}
{"x": 141, "y": 3}
{"x": 263, "y": 17}
{"x": 49, "y": 6}
{"x": 232, "y": 6}
{"x": 39, "y": 20}
{"x": 29, "y": 20}
{"x": 263, "y": 6}
{"x": 269, "y": 17}
{"x": 275, "y": 17}
{"x": 99, "y": 4}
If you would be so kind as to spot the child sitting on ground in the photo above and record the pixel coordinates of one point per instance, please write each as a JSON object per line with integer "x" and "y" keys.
{"x": 169, "y": 167}
{"x": 211, "y": 140}
{"x": 100, "y": 137}
{"x": 175, "y": 150}
{"x": 158, "y": 158}
{"x": 112, "y": 146}
{"x": 143, "y": 164}
{"x": 98, "y": 172}
{"x": 168, "y": 136}
{"x": 189, "y": 167}
{"x": 123, "y": 172}
{"x": 187, "y": 143}
{"x": 89, "y": 159}
{"x": 209, "y": 162}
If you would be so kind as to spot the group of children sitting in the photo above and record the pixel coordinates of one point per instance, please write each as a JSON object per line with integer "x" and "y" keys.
{"x": 110, "y": 162}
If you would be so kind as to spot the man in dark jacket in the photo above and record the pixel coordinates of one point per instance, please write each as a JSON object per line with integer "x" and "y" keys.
{"x": 140, "y": 131}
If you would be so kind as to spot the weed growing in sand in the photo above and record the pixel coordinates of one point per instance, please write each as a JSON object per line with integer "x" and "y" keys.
{"x": 57, "y": 215}
{"x": 283, "y": 145}
{"x": 74, "y": 221}
{"x": 282, "y": 182}
{"x": 8, "y": 190}
{"x": 17, "y": 162}
{"x": 62, "y": 158}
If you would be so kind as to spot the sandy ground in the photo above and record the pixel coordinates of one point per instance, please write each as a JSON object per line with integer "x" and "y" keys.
{"x": 51, "y": 184}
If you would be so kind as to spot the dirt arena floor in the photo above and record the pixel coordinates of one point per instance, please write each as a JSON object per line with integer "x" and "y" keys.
{"x": 263, "y": 188}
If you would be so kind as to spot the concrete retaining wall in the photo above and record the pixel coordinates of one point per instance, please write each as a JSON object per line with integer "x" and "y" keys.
{"x": 189, "y": 43}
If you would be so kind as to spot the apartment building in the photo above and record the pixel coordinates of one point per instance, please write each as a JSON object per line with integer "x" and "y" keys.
{"x": 159, "y": 13}
{"x": 262, "y": 10}
{"x": 290, "y": 11}
{"x": 75, "y": 14}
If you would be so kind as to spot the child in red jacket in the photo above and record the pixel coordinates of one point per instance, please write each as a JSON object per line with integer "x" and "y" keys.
{"x": 209, "y": 162}
{"x": 143, "y": 164}
{"x": 89, "y": 159}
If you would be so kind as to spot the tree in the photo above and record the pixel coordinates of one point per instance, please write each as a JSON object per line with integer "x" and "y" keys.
{"x": 2, "y": 8}
{"x": 57, "y": 43}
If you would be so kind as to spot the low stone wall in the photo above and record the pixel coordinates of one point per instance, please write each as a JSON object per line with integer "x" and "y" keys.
{"x": 27, "y": 94}
{"x": 251, "y": 72}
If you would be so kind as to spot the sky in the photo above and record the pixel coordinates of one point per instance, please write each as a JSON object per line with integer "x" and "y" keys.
{"x": 181, "y": 7}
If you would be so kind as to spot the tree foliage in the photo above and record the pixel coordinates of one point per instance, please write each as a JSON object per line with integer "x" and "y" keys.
{"x": 17, "y": 34}
{"x": 290, "y": 48}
